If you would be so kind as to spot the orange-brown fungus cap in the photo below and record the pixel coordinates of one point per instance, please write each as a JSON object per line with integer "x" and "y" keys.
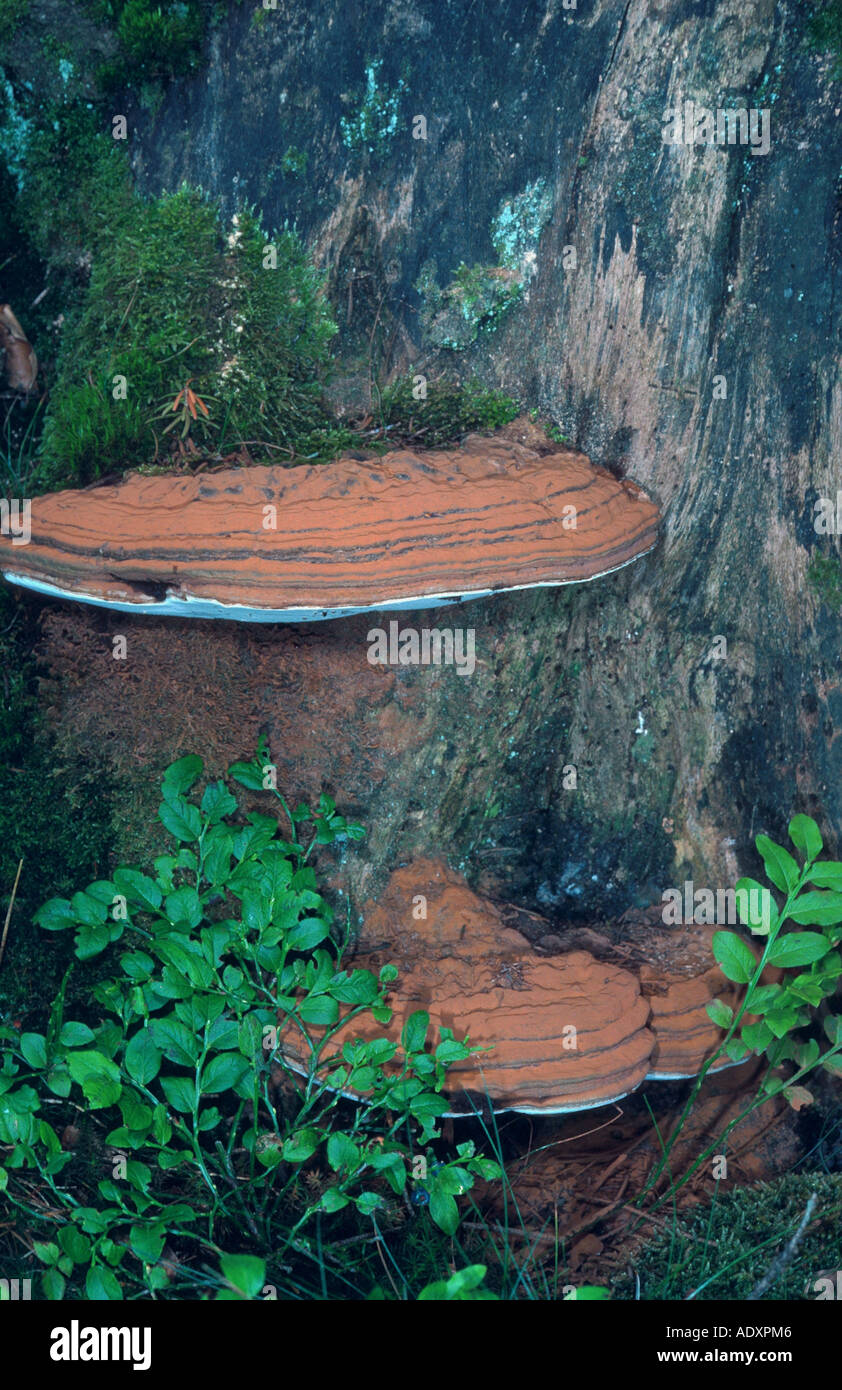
{"x": 568, "y": 1032}
{"x": 295, "y": 544}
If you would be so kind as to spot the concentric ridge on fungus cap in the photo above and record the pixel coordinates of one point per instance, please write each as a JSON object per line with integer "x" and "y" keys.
{"x": 294, "y": 544}
{"x": 566, "y": 1032}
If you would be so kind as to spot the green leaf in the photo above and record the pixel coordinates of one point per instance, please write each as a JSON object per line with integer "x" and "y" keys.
{"x": 333, "y": 1200}
{"x": 486, "y": 1168}
{"x": 781, "y": 868}
{"x": 180, "y": 776}
{"x": 808, "y": 988}
{"x": 34, "y": 1048}
{"x": 827, "y": 874}
{"x": 301, "y": 1145}
{"x": 147, "y": 1242}
{"x": 138, "y": 889}
{"x": 388, "y": 974}
{"x": 217, "y": 802}
{"x": 91, "y": 941}
{"x": 74, "y": 1244}
{"x": 763, "y": 998}
{"x": 182, "y": 820}
{"x": 180, "y": 1092}
{"x": 720, "y": 1013}
{"x": 55, "y": 915}
{"x": 320, "y": 1010}
{"x": 183, "y": 907}
{"x": 306, "y": 934}
{"x": 414, "y": 1032}
{"x": 782, "y": 1022}
{"x": 46, "y": 1251}
{"x": 224, "y": 1072}
{"x": 737, "y": 1050}
{"x": 245, "y": 1273}
{"x": 248, "y": 775}
{"x": 806, "y": 836}
{"x": 100, "y": 1283}
{"x": 833, "y": 1029}
{"x": 89, "y": 911}
{"x": 219, "y": 846}
{"x": 817, "y": 909}
{"x": 428, "y": 1106}
{"x": 161, "y": 1127}
{"x": 799, "y": 948}
{"x": 735, "y": 959}
{"x": 359, "y": 988}
{"x": 444, "y": 1211}
{"x": 256, "y": 909}
{"x": 755, "y": 906}
{"x": 757, "y": 1036}
{"x": 143, "y": 1058}
{"x": 342, "y": 1152}
{"x": 53, "y": 1285}
{"x": 98, "y": 1076}
{"x": 176, "y": 1041}
{"x": 75, "y": 1035}
{"x": 368, "y": 1202}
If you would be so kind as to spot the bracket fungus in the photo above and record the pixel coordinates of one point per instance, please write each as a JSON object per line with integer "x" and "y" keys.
{"x": 565, "y": 1033}
{"x": 272, "y": 544}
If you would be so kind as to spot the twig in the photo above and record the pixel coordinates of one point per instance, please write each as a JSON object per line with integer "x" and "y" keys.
{"x": 9, "y": 911}
{"x": 786, "y": 1256}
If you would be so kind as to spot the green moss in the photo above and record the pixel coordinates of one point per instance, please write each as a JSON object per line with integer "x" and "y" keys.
{"x": 733, "y": 1241}
{"x": 824, "y": 31}
{"x": 449, "y": 410}
{"x": 12, "y": 16}
{"x": 155, "y": 39}
{"x": 293, "y": 160}
{"x": 475, "y": 301}
{"x": 824, "y": 575}
{"x": 176, "y": 300}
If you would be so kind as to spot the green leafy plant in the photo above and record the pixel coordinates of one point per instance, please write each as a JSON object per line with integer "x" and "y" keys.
{"x": 770, "y": 1020}
{"x": 224, "y": 946}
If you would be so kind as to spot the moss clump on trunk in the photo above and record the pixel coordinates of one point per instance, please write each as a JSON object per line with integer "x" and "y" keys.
{"x": 224, "y": 334}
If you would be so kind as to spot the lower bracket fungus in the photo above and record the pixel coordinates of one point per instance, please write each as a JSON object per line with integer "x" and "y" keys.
{"x": 560, "y": 1033}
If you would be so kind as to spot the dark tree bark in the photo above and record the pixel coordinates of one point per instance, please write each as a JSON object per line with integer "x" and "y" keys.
{"x": 694, "y": 346}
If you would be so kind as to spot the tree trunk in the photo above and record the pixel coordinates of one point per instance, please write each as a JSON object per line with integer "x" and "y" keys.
{"x": 620, "y": 736}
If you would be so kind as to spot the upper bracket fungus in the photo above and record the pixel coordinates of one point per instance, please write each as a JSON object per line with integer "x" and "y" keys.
{"x": 404, "y": 531}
